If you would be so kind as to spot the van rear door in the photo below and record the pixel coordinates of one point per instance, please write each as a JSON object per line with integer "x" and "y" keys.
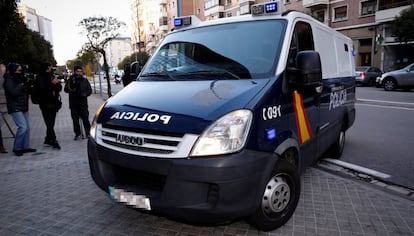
{"x": 338, "y": 84}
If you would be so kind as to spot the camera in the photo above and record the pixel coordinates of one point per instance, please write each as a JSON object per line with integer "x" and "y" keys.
{"x": 27, "y": 76}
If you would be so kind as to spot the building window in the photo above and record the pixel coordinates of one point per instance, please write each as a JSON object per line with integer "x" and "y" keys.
{"x": 319, "y": 15}
{"x": 228, "y": 2}
{"x": 229, "y": 14}
{"x": 368, "y": 7}
{"x": 244, "y": 9}
{"x": 287, "y": 1}
{"x": 210, "y": 3}
{"x": 340, "y": 13}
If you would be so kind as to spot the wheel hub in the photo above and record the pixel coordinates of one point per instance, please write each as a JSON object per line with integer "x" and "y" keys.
{"x": 276, "y": 196}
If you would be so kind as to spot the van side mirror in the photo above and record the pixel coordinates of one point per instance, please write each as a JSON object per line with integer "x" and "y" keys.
{"x": 308, "y": 71}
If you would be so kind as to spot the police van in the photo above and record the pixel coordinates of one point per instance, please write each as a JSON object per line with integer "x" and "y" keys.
{"x": 225, "y": 116}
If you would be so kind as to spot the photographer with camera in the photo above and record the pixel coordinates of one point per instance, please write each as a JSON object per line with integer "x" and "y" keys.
{"x": 48, "y": 89}
{"x": 79, "y": 88}
{"x": 16, "y": 89}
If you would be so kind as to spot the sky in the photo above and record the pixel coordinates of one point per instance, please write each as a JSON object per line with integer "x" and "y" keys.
{"x": 65, "y": 16}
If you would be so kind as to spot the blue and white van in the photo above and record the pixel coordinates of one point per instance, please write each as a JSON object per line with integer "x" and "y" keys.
{"x": 225, "y": 116}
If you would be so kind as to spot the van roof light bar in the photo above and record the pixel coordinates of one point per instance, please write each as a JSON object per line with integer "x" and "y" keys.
{"x": 268, "y": 8}
{"x": 184, "y": 21}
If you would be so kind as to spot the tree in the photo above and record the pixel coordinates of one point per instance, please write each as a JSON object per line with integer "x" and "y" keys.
{"x": 142, "y": 57}
{"x": 403, "y": 25}
{"x": 99, "y": 31}
{"x": 19, "y": 44}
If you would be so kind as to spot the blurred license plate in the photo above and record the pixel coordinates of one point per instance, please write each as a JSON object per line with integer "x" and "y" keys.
{"x": 132, "y": 199}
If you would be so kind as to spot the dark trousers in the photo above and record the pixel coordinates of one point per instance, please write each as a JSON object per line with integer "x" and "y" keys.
{"x": 49, "y": 116}
{"x": 83, "y": 114}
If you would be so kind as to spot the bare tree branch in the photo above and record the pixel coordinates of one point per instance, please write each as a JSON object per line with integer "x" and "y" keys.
{"x": 99, "y": 32}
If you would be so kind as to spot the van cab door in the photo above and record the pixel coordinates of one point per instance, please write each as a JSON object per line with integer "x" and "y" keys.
{"x": 305, "y": 100}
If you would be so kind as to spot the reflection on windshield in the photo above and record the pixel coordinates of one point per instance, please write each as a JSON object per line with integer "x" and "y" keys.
{"x": 231, "y": 51}
{"x": 196, "y": 61}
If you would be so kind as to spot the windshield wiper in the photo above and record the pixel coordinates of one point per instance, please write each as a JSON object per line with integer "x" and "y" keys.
{"x": 160, "y": 74}
{"x": 213, "y": 72}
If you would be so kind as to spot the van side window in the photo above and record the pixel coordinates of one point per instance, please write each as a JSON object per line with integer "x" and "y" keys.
{"x": 302, "y": 40}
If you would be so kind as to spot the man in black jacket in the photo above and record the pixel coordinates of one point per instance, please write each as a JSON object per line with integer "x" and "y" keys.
{"x": 79, "y": 89}
{"x": 49, "y": 88}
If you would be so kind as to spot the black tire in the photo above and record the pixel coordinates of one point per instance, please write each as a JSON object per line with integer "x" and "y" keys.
{"x": 337, "y": 148}
{"x": 389, "y": 84}
{"x": 279, "y": 198}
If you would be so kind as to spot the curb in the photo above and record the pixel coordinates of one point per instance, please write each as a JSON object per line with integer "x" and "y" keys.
{"x": 375, "y": 178}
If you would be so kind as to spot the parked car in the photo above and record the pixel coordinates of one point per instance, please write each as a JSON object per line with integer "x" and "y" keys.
{"x": 367, "y": 75}
{"x": 403, "y": 78}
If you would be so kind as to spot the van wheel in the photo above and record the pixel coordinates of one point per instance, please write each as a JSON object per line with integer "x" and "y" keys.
{"x": 335, "y": 151}
{"x": 280, "y": 198}
{"x": 390, "y": 84}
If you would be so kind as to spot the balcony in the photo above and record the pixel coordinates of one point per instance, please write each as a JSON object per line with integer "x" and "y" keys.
{"x": 243, "y": 1}
{"x": 388, "y": 4}
{"x": 388, "y": 14}
{"x": 216, "y": 10}
{"x": 314, "y": 3}
{"x": 164, "y": 28}
{"x": 164, "y": 14}
{"x": 163, "y": 21}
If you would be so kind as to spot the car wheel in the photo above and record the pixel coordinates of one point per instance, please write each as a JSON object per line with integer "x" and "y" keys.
{"x": 390, "y": 84}
{"x": 279, "y": 198}
{"x": 337, "y": 148}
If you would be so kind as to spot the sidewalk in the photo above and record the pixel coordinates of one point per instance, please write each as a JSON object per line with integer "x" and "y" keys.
{"x": 50, "y": 192}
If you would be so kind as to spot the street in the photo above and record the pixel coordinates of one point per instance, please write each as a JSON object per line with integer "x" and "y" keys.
{"x": 382, "y": 136}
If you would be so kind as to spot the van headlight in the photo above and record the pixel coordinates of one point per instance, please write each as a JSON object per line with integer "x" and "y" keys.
{"x": 227, "y": 134}
{"x": 92, "y": 131}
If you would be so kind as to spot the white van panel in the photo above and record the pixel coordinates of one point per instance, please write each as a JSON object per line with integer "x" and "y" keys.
{"x": 325, "y": 46}
{"x": 343, "y": 50}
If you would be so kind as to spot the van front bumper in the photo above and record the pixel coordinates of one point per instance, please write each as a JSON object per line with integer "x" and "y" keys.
{"x": 200, "y": 190}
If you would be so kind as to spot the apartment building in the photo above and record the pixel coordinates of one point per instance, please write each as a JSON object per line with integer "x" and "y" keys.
{"x": 367, "y": 22}
{"x": 394, "y": 54}
{"x": 36, "y": 22}
{"x": 152, "y": 19}
{"x": 117, "y": 49}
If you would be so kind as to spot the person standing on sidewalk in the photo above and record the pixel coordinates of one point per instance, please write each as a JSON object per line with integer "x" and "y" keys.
{"x": 16, "y": 89}
{"x": 48, "y": 89}
{"x": 79, "y": 89}
{"x": 2, "y": 72}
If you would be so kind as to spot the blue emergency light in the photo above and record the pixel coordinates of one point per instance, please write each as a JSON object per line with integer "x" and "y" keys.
{"x": 266, "y": 8}
{"x": 271, "y": 134}
{"x": 271, "y": 7}
{"x": 182, "y": 21}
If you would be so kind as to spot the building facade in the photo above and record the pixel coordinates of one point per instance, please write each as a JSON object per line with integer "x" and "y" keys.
{"x": 117, "y": 49}
{"x": 36, "y": 23}
{"x": 153, "y": 19}
{"x": 367, "y": 22}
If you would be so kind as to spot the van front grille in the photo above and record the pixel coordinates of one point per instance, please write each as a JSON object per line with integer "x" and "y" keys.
{"x": 145, "y": 143}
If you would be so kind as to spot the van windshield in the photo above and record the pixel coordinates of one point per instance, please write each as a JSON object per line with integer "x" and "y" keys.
{"x": 241, "y": 50}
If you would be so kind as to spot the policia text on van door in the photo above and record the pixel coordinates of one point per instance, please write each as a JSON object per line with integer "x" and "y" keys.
{"x": 224, "y": 117}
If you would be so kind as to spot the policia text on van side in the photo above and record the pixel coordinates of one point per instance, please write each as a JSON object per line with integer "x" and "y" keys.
{"x": 224, "y": 117}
